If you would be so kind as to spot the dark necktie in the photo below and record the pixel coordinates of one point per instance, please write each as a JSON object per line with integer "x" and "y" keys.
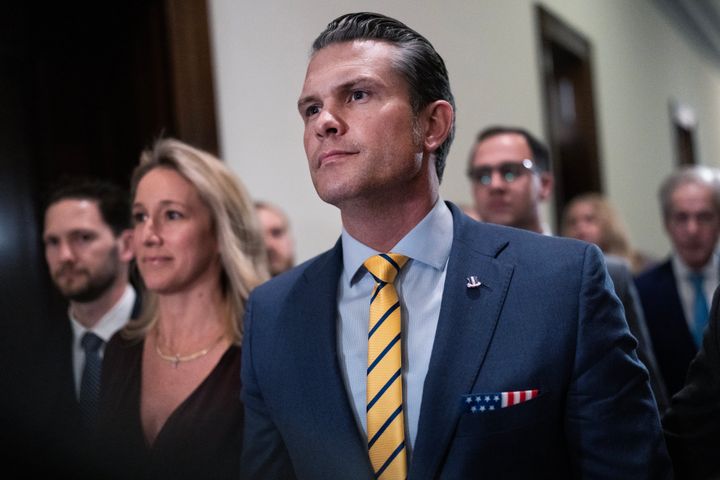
{"x": 700, "y": 307}
{"x": 90, "y": 382}
{"x": 385, "y": 416}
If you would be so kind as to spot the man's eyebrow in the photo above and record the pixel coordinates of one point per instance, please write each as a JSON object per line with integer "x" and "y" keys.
{"x": 305, "y": 100}
{"x": 342, "y": 87}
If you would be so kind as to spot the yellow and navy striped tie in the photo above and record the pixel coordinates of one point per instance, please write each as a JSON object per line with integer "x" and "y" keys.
{"x": 385, "y": 417}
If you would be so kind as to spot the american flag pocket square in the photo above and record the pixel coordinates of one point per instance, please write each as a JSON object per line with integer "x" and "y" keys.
{"x": 488, "y": 402}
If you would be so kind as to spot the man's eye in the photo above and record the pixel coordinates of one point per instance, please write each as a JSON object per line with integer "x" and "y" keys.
{"x": 312, "y": 110}
{"x": 138, "y": 217}
{"x": 359, "y": 95}
{"x": 82, "y": 237}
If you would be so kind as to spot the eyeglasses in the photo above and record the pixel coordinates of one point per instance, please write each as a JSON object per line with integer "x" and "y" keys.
{"x": 509, "y": 171}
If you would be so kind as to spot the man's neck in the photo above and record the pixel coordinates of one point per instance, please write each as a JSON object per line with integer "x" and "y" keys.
{"x": 533, "y": 222}
{"x": 381, "y": 225}
{"x": 88, "y": 314}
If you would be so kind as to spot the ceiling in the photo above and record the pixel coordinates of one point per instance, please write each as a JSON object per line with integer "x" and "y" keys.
{"x": 698, "y": 20}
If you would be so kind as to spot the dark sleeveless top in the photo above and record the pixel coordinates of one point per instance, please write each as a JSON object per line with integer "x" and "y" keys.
{"x": 201, "y": 439}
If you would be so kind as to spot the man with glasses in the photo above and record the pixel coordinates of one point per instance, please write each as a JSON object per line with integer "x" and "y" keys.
{"x": 511, "y": 177}
{"x": 676, "y": 294}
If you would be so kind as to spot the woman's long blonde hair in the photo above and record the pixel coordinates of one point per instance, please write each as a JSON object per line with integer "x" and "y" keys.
{"x": 240, "y": 243}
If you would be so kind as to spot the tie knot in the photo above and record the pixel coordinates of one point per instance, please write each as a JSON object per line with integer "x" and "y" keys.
{"x": 696, "y": 278}
{"x": 385, "y": 266}
{"x": 91, "y": 342}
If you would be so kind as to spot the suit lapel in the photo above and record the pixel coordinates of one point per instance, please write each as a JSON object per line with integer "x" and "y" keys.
{"x": 314, "y": 303}
{"x": 468, "y": 317}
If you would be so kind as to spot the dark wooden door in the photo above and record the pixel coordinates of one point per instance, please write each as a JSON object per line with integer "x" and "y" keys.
{"x": 566, "y": 60}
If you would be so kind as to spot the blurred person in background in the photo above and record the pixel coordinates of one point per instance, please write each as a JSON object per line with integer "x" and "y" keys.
{"x": 278, "y": 238}
{"x": 675, "y": 294}
{"x": 591, "y": 217}
{"x": 88, "y": 251}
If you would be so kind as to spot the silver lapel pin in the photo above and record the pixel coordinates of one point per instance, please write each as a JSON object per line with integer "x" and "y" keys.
{"x": 473, "y": 282}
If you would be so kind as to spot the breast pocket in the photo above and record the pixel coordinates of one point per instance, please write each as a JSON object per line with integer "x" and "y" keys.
{"x": 513, "y": 417}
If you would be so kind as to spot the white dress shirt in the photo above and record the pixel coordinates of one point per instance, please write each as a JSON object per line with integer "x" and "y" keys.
{"x": 420, "y": 288}
{"x": 105, "y": 328}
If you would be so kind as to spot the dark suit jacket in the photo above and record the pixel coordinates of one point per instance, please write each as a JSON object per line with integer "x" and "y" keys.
{"x": 545, "y": 317}
{"x": 57, "y": 441}
{"x": 671, "y": 338}
{"x": 692, "y": 425}
{"x": 627, "y": 293}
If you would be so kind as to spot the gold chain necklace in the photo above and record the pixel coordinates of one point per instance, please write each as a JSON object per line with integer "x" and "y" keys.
{"x": 177, "y": 358}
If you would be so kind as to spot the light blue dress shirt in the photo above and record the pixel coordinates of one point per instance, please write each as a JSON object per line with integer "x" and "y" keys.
{"x": 420, "y": 288}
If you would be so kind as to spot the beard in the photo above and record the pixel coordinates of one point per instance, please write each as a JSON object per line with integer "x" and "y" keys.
{"x": 95, "y": 284}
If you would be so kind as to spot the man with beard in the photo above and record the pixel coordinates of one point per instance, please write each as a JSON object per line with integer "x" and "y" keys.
{"x": 88, "y": 251}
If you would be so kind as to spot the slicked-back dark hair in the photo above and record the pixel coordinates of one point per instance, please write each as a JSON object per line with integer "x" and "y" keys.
{"x": 421, "y": 66}
{"x": 112, "y": 200}
{"x": 541, "y": 155}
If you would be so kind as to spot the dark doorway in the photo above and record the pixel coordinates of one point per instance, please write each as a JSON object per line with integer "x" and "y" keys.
{"x": 569, "y": 109}
{"x": 84, "y": 86}
{"x": 684, "y": 124}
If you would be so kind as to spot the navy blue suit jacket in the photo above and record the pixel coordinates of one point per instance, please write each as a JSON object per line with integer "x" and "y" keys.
{"x": 671, "y": 339}
{"x": 545, "y": 317}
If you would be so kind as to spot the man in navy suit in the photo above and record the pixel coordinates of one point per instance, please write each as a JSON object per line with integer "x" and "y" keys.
{"x": 690, "y": 201}
{"x": 516, "y": 359}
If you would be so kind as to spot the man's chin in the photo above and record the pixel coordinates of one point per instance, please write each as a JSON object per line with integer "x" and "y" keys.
{"x": 82, "y": 294}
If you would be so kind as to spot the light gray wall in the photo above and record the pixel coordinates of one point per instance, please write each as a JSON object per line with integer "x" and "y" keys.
{"x": 640, "y": 64}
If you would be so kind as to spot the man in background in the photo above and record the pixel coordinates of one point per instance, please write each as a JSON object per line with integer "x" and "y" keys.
{"x": 88, "y": 251}
{"x": 676, "y": 294}
{"x": 511, "y": 179}
{"x": 278, "y": 238}
{"x": 513, "y": 197}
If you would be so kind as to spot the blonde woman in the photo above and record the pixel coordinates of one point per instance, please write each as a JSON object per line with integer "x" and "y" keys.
{"x": 170, "y": 399}
{"x": 591, "y": 218}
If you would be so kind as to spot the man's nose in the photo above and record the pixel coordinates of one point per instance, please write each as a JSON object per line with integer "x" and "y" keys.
{"x": 693, "y": 226}
{"x": 65, "y": 251}
{"x": 496, "y": 180}
{"x": 330, "y": 122}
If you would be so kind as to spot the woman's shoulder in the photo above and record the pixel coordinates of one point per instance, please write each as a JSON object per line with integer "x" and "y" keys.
{"x": 122, "y": 350}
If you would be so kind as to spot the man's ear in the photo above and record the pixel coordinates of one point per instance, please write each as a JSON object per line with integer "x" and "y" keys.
{"x": 125, "y": 245}
{"x": 547, "y": 183}
{"x": 438, "y": 118}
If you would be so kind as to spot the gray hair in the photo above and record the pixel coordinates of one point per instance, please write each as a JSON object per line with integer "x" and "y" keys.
{"x": 695, "y": 174}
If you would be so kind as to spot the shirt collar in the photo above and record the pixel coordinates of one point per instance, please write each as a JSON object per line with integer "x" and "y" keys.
{"x": 682, "y": 270}
{"x": 428, "y": 242}
{"x": 112, "y": 321}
